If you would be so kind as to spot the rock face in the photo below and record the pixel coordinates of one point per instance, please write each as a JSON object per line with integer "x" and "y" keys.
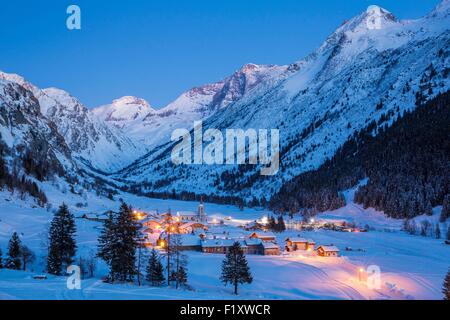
{"x": 92, "y": 141}
{"x": 369, "y": 71}
{"x": 29, "y": 138}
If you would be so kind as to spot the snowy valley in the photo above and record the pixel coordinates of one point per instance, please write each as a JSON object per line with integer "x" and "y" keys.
{"x": 342, "y": 111}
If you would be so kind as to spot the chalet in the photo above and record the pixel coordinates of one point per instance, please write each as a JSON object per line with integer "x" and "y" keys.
{"x": 220, "y": 245}
{"x": 264, "y": 236}
{"x": 190, "y": 227}
{"x": 328, "y": 251}
{"x": 270, "y": 248}
{"x": 152, "y": 224}
{"x": 199, "y": 216}
{"x": 151, "y": 239}
{"x": 295, "y": 243}
{"x": 190, "y": 242}
{"x": 254, "y": 246}
{"x": 94, "y": 217}
{"x": 254, "y": 226}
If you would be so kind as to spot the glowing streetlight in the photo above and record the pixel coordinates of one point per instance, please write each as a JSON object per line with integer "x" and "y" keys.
{"x": 312, "y": 220}
{"x": 265, "y": 220}
{"x": 360, "y": 272}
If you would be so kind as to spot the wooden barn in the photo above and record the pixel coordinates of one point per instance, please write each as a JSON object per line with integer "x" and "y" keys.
{"x": 328, "y": 251}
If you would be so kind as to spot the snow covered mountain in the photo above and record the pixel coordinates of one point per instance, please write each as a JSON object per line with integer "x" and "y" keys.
{"x": 92, "y": 141}
{"x": 30, "y": 144}
{"x": 371, "y": 69}
{"x": 154, "y": 127}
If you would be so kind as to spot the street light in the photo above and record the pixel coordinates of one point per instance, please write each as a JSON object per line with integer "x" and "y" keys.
{"x": 360, "y": 272}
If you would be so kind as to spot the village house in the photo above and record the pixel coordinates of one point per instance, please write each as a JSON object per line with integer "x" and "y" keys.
{"x": 190, "y": 227}
{"x": 254, "y": 226}
{"x": 95, "y": 217}
{"x": 270, "y": 248}
{"x": 199, "y": 216}
{"x": 328, "y": 251}
{"x": 264, "y": 236}
{"x": 153, "y": 225}
{"x": 296, "y": 243}
{"x": 217, "y": 245}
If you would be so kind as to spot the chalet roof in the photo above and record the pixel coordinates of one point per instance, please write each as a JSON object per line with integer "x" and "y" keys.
{"x": 270, "y": 245}
{"x": 191, "y": 224}
{"x": 298, "y": 240}
{"x": 329, "y": 248}
{"x": 190, "y": 240}
{"x": 187, "y": 213}
{"x": 152, "y": 238}
{"x": 253, "y": 241}
{"x": 214, "y": 243}
{"x": 263, "y": 234}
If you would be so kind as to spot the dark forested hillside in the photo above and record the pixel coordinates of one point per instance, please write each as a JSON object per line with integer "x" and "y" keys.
{"x": 407, "y": 165}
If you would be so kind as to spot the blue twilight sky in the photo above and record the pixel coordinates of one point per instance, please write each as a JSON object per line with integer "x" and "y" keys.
{"x": 156, "y": 49}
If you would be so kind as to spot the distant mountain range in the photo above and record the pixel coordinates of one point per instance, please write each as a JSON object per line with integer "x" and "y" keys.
{"x": 372, "y": 66}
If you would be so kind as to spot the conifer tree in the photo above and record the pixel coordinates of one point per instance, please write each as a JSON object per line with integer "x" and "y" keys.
{"x": 235, "y": 269}
{"x": 182, "y": 277}
{"x": 155, "y": 270}
{"x": 27, "y": 256}
{"x": 445, "y": 212}
{"x": 106, "y": 240}
{"x": 62, "y": 245}
{"x": 446, "y": 286}
{"x": 118, "y": 243}
{"x": 14, "y": 250}
{"x": 272, "y": 224}
{"x": 281, "y": 227}
{"x": 437, "y": 231}
{"x": 1, "y": 259}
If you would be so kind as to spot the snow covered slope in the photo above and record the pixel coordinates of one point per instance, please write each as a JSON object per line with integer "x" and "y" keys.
{"x": 154, "y": 127}
{"x": 370, "y": 66}
{"x": 90, "y": 139}
{"x": 28, "y": 140}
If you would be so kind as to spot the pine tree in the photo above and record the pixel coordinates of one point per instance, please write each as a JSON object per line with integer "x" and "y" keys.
{"x": 118, "y": 243}
{"x": 446, "y": 286}
{"x": 437, "y": 231}
{"x": 182, "y": 276}
{"x": 155, "y": 270}
{"x": 106, "y": 240}
{"x": 272, "y": 225}
{"x": 14, "y": 250}
{"x": 1, "y": 259}
{"x": 445, "y": 212}
{"x": 178, "y": 261}
{"x": 235, "y": 269}
{"x": 62, "y": 245}
{"x": 27, "y": 256}
{"x": 281, "y": 227}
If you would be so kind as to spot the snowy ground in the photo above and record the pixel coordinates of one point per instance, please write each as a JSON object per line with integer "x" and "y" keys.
{"x": 412, "y": 267}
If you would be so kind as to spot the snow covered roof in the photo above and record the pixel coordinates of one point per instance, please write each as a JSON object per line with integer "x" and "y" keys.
{"x": 270, "y": 245}
{"x": 186, "y": 213}
{"x": 298, "y": 240}
{"x": 191, "y": 224}
{"x": 329, "y": 248}
{"x": 253, "y": 241}
{"x": 212, "y": 243}
{"x": 262, "y": 235}
{"x": 190, "y": 240}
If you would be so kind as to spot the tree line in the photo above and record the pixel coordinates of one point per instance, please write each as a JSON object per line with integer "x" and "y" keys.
{"x": 407, "y": 166}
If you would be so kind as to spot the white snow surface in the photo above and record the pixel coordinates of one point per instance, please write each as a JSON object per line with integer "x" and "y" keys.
{"x": 412, "y": 267}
